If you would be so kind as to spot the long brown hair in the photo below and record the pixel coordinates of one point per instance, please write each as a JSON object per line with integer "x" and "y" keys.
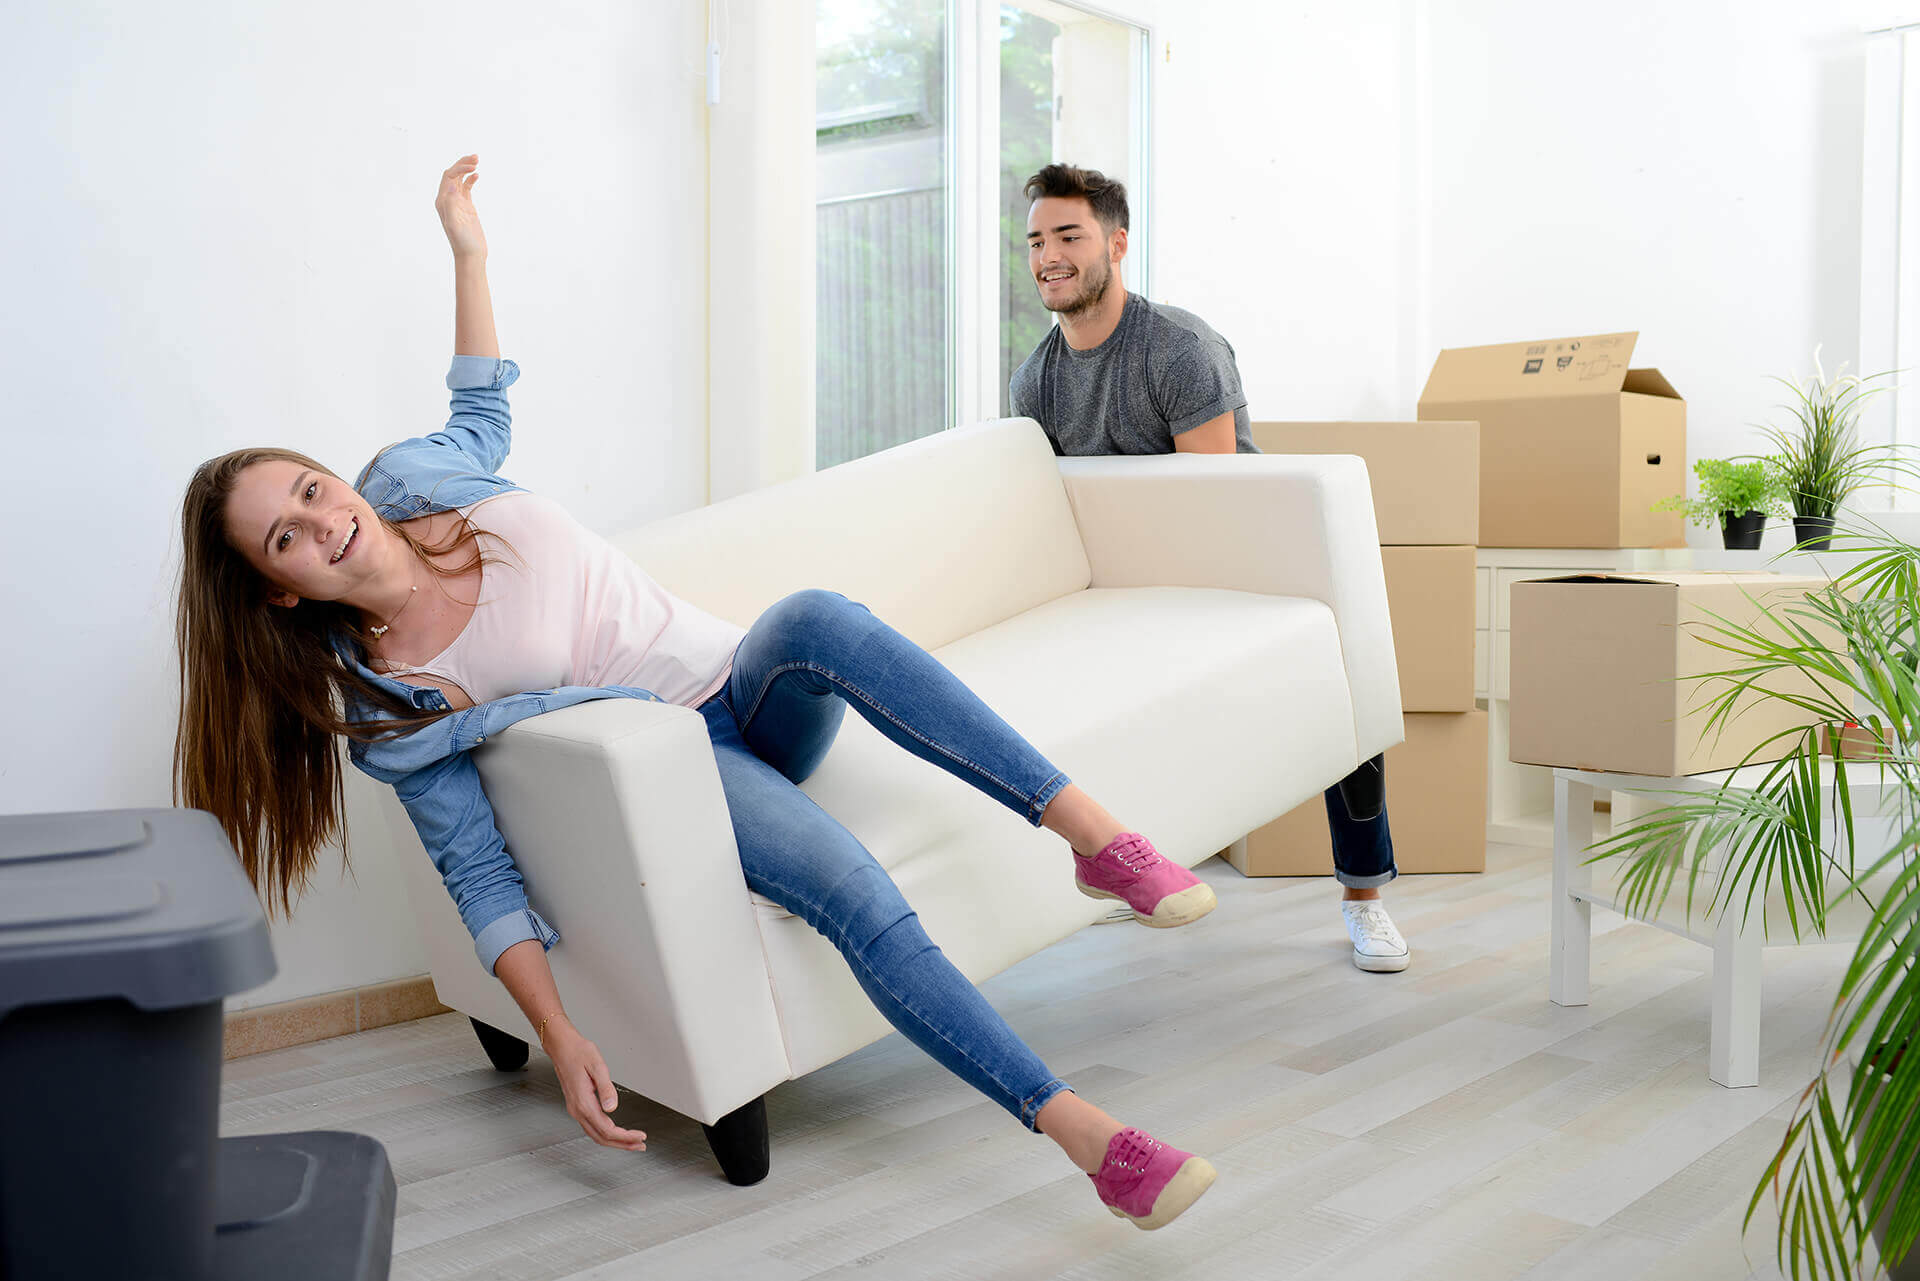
{"x": 263, "y": 692}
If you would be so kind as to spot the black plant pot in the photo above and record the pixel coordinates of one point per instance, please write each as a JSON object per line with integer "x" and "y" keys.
{"x": 1742, "y": 533}
{"x": 1812, "y": 533}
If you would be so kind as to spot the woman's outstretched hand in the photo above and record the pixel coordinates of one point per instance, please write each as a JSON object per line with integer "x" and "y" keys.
{"x": 587, "y": 1083}
{"x": 454, "y": 204}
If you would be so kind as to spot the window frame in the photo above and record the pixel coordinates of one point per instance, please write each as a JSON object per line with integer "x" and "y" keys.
{"x": 1890, "y": 247}
{"x": 975, "y": 257}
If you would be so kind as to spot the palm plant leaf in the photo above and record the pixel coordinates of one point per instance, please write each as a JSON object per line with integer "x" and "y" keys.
{"x": 1850, "y": 1156}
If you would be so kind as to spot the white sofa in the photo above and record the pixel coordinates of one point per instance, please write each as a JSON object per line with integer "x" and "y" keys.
{"x": 1200, "y": 642}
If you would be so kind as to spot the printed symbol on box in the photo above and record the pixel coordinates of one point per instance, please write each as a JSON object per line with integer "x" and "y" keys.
{"x": 1574, "y": 346}
{"x": 1595, "y": 368}
{"x": 1561, "y": 362}
{"x": 1539, "y": 350}
{"x": 1533, "y": 367}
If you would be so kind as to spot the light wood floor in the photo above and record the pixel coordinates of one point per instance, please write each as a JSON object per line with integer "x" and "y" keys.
{"x": 1447, "y": 1122}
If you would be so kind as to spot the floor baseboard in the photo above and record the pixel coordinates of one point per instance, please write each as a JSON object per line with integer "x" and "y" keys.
{"x": 316, "y": 1018}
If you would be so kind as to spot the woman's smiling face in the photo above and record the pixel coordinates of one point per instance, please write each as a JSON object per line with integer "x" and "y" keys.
{"x": 305, "y": 530}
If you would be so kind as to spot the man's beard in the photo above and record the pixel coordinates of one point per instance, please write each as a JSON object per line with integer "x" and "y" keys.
{"x": 1092, "y": 290}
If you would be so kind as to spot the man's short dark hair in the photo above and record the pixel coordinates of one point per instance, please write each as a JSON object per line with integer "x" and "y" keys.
{"x": 1108, "y": 196}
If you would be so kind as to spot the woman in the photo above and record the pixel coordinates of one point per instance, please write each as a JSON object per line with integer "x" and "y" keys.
{"x": 429, "y": 598}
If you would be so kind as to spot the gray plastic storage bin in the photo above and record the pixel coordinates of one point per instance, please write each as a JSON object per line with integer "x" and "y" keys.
{"x": 316, "y": 1206}
{"x": 120, "y": 933}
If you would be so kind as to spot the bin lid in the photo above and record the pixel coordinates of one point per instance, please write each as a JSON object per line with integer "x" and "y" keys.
{"x": 150, "y": 905}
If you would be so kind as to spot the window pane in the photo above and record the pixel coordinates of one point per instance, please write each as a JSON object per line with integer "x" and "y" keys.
{"x": 880, "y": 156}
{"x": 1066, "y": 91}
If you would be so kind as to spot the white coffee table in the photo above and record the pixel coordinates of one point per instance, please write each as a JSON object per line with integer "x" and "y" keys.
{"x": 1736, "y": 937}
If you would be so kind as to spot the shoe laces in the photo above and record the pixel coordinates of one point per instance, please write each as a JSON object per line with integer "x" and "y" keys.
{"x": 1134, "y": 853}
{"x": 1128, "y": 1154}
{"x": 1374, "y": 924}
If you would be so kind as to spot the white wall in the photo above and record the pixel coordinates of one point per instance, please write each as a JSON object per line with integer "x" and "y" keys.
{"x": 1279, "y": 166}
{"x": 1344, "y": 190}
{"x": 1689, "y": 170}
{"x": 760, "y": 238}
{"x": 217, "y": 230}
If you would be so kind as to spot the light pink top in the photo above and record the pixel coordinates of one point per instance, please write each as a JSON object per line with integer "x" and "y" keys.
{"x": 565, "y": 607}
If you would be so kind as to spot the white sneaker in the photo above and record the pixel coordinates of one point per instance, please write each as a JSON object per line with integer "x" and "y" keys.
{"x": 1377, "y": 945}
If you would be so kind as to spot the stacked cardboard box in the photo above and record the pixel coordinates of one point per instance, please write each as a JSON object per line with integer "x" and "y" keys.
{"x": 1611, "y": 671}
{"x": 1426, "y": 501}
{"x": 1575, "y": 446}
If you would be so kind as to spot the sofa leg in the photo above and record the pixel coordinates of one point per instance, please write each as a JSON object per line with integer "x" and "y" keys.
{"x": 509, "y": 1053}
{"x": 739, "y": 1143}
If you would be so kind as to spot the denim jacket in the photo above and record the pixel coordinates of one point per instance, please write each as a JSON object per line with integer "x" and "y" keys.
{"x": 430, "y": 768}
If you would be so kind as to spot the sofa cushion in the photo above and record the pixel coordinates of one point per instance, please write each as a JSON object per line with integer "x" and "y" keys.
{"x": 1141, "y": 695}
{"x": 941, "y": 537}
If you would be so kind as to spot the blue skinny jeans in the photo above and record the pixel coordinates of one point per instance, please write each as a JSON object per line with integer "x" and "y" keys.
{"x": 802, "y": 664}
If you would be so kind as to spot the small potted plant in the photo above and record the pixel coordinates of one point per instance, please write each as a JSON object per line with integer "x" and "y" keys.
{"x": 1737, "y": 496}
{"x": 1821, "y": 459}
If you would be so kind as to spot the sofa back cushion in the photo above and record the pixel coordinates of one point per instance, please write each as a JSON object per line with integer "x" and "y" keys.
{"x": 940, "y": 537}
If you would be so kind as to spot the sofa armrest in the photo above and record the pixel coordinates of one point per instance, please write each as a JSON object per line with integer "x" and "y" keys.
{"x": 1284, "y": 525}
{"x": 614, "y": 814}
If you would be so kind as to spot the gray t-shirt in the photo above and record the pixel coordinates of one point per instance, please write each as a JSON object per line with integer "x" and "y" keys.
{"x": 1161, "y": 372}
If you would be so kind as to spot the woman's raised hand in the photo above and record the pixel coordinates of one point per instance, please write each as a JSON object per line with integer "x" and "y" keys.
{"x": 454, "y": 204}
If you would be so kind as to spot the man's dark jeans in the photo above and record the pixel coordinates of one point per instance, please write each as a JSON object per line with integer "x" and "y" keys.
{"x": 1357, "y": 823}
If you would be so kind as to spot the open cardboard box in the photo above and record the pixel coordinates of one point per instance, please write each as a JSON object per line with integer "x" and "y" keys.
{"x": 1575, "y": 446}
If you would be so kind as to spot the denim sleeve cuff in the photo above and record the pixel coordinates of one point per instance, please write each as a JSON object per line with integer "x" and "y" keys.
{"x": 515, "y": 927}
{"x": 490, "y": 372}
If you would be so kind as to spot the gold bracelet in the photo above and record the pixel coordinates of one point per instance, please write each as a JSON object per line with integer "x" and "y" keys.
{"x": 541, "y": 1035}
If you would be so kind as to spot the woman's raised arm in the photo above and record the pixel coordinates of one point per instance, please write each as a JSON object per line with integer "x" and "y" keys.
{"x": 473, "y": 333}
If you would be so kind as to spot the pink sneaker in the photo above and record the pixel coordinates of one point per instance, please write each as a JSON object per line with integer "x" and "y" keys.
{"x": 1145, "y": 1180}
{"x": 1161, "y": 894}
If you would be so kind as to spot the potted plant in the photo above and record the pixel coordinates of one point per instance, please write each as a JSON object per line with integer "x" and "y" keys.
{"x": 1737, "y": 496}
{"x": 1821, "y": 458}
{"x": 1848, "y": 1167}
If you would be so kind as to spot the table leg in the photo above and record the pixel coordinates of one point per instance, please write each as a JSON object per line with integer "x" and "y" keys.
{"x": 1733, "y": 1050}
{"x": 1572, "y": 924}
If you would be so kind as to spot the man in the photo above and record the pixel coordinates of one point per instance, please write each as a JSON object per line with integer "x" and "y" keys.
{"x": 1121, "y": 375}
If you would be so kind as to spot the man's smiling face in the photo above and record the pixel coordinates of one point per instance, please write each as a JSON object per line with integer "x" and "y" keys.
{"x": 1070, "y": 254}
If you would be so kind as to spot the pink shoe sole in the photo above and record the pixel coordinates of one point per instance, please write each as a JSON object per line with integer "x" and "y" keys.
{"x": 1183, "y": 908}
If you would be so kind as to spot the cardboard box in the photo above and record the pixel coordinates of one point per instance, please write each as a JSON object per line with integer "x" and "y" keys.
{"x": 1425, "y": 476}
{"x": 1856, "y": 742}
{"x": 1430, "y": 600}
{"x": 1436, "y": 807}
{"x": 1575, "y": 447}
{"x": 1604, "y": 665}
